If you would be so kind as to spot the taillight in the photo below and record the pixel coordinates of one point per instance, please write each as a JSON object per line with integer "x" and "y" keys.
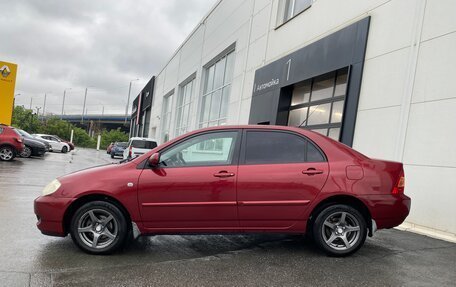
{"x": 129, "y": 152}
{"x": 19, "y": 140}
{"x": 399, "y": 187}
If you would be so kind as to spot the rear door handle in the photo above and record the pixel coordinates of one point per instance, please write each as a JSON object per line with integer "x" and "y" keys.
{"x": 223, "y": 174}
{"x": 312, "y": 171}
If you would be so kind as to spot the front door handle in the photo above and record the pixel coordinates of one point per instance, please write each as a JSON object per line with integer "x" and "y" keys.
{"x": 312, "y": 171}
{"x": 223, "y": 174}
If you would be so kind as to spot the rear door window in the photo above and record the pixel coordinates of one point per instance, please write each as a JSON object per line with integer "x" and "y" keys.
{"x": 143, "y": 144}
{"x": 274, "y": 147}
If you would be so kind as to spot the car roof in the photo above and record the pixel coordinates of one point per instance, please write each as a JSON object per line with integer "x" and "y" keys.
{"x": 256, "y": 127}
{"x": 143, "y": 139}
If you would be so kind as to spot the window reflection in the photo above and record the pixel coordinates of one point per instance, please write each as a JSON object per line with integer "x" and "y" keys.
{"x": 318, "y": 104}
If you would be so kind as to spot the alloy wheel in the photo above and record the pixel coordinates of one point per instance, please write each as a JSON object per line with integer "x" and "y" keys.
{"x": 97, "y": 228}
{"x": 6, "y": 153}
{"x": 27, "y": 152}
{"x": 341, "y": 230}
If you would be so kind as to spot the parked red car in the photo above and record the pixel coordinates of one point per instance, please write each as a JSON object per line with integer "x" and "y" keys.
{"x": 11, "y": 143}
{"x": 228, "y": 180}
{"x": 109, "y": 148}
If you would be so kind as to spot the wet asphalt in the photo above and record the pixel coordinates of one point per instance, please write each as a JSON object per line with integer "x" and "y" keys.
{"x": 28, "y": 258}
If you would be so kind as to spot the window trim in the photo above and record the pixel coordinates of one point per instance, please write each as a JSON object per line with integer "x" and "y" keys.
{"x": 203, "y": 93}
{"x": 309, "y": 141}
{"x": 181, "y": 90}
{"x": 331, "y": 100}
{"x": 236, "y": 151}
{"x": 167, "y": 96}
{"x": 280, "y": 20}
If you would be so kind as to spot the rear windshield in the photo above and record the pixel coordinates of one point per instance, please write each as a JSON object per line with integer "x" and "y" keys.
{"x": 143, "y": 144}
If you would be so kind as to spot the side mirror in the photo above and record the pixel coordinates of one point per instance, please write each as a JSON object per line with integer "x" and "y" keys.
{"x": 154, "y": 160}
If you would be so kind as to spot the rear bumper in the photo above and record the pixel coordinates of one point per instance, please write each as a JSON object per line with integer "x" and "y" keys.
{"x": 50, "y": 212}
{"x": 389, "y": 211}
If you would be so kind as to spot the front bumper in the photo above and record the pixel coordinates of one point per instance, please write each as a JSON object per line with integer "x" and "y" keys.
{"x": 50, "y": 212}
{"x": 38, "y": 151}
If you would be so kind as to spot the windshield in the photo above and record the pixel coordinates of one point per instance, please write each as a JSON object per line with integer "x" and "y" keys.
{"x": 122, "y": 144}
{"x": 25, "y": 134}
{"x": 143, "y": 144}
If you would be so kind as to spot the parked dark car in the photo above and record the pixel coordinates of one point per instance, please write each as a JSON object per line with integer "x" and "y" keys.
{"x": 11, "y": 143}
{"x": 118, "y": 149}
{"x": 26, "y": 135}
{"x": 230, "y": 179}
{"x": 32, "y": 148}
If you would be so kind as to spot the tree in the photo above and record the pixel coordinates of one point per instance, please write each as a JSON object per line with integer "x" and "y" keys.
{"x": 108, "y": 137}
{"x": 25, "y": 119}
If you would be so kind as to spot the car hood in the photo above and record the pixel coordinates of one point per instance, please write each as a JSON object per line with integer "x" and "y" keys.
{"x": 100, "y": 179}
{"x": 33, "y": 142}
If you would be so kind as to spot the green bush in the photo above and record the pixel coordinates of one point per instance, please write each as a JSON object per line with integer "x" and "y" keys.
{"x": 108, "y": 137}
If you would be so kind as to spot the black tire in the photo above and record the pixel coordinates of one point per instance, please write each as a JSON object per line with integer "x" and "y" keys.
{"x": 117, "y": 227}
{"x": 64, "y": 149}
{"x": 27, "y": 152}
{"x": 342, "y": 237}
{"x": 7, "y": 153}
{"x": 112, "y": 155}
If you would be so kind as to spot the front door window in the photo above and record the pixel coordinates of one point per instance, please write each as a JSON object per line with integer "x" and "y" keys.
{"x": 204, "y": 150}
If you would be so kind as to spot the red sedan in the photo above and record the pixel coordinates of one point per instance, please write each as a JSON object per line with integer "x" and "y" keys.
{"x": 234, "y": 179}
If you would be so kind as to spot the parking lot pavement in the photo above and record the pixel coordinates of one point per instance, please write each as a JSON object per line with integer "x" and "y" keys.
{"x": 390, "y": 258}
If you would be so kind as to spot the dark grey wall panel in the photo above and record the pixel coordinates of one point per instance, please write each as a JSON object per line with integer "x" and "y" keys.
{"x": 273, "y": 82}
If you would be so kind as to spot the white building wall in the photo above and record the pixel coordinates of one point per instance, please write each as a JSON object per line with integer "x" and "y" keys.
{"x": 407, "y": 97}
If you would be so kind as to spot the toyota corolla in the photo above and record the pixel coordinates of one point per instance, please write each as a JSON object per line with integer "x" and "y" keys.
{"x": 230, "y": 179}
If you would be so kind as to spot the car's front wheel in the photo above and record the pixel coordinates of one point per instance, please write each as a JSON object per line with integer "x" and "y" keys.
{"x": 339, "y": 230}
{"x": 99, "y": 227}
{"x": 26, "y": 152}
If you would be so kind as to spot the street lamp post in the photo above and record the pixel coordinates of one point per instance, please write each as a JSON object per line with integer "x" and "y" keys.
{"x": 14, "y": 99}
{"x": 44, "y": 104}
{"x": 63, "y": 103}
{"x": 83, "y": 107}
{"x": 128, "y": 100}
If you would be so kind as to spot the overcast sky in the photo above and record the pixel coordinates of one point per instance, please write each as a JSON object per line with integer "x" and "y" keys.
{"x": 100, "y": 44}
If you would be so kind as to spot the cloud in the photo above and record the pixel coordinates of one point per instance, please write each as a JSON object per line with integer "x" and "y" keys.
{"x": 99, "y": 44}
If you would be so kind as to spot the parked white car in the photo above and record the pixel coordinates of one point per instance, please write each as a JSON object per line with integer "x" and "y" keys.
{"x": 138, "y": 146}
{"x": 56, "y": 144}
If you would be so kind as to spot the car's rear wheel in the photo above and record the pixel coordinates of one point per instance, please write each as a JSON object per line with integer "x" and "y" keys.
{"x": 339, "y": 230}
{"x": 64, "y": 149}
{"x": 6, "y": 153}
{"x": 26, "y": 152}
{"x": 99, "y": 227}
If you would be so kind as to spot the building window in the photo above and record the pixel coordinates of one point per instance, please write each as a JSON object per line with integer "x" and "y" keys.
{"x": 184, "y": 101}
{"x": 166, "y": 117}
{"x": 217, "y": 85}
{"x": 318, "y": 104}
{"x": 146, "y": 123}
{"x": 290, "y": 8}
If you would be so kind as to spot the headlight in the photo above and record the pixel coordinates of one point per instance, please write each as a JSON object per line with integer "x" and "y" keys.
{"x": 51, "y": 187}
